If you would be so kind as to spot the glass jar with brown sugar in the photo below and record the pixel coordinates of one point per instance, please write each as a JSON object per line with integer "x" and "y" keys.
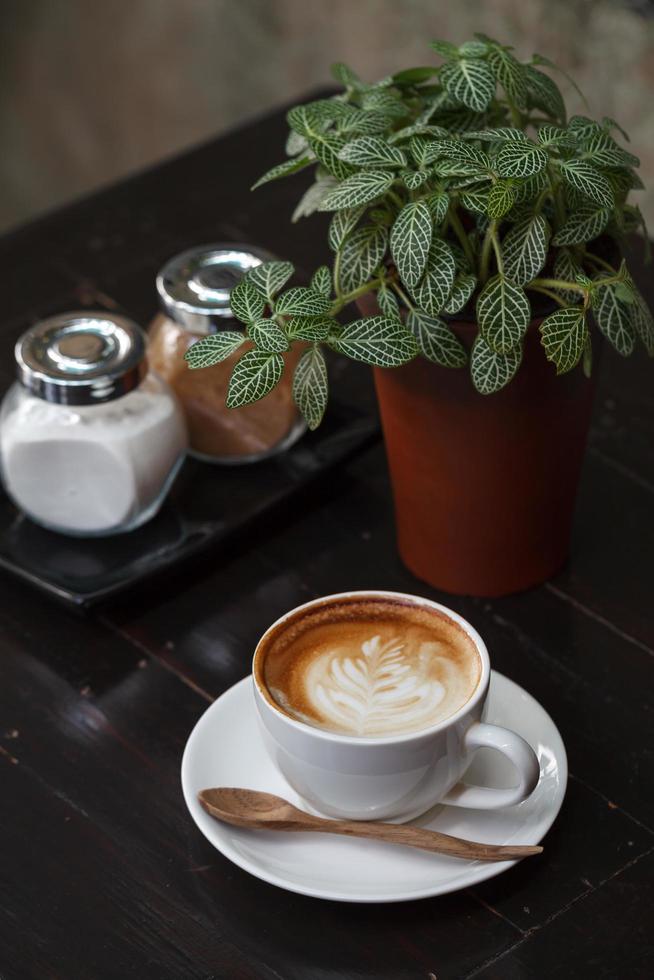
{"x": 194, "y": 289}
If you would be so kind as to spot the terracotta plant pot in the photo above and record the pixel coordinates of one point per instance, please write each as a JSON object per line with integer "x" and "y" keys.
{"x": 484, "y": 485}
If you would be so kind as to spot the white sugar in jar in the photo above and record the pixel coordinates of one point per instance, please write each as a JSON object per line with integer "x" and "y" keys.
{"x": 90, "y": 439}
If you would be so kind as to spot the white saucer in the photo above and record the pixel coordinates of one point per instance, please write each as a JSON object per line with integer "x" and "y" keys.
{"x": 225, "y": 749}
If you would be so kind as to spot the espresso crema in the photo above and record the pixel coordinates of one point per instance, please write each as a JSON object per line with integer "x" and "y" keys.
{"x": 369, "y": 667}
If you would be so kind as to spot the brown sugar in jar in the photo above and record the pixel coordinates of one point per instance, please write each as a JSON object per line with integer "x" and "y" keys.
{"x": 194, "y": 292}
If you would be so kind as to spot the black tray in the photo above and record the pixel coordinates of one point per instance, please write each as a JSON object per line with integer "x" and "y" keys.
{"x": 207, "y": 505}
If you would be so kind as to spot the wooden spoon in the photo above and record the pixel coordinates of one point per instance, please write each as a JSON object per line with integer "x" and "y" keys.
{"x": 263, "y": 811}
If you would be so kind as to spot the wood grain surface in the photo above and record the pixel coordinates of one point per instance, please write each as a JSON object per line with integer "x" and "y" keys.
{"x": 104, "y": 876}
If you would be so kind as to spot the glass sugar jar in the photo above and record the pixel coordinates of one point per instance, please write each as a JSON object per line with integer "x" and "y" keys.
{"x": 194, "y": 289}
{"x": 90, "y": 438}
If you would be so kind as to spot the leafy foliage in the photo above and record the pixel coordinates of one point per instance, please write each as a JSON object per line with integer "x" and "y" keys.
{"x": 451, "y": 187}
{"x": 410, "y": 241}
{"x": 377, "y": 340}
{"x": 310, "y": 386}
{"x": 503, "y": 314}
{"x": 564, "y": 337}
{"x": 435, "y": 340}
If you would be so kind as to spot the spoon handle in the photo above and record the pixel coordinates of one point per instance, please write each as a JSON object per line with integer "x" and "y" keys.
{"x": 427, "y": 840}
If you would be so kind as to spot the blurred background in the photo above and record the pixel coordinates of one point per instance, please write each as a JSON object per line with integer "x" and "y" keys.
{"x": 94, "y": 89}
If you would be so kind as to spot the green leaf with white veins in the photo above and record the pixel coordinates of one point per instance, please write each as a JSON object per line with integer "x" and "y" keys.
{"x": 587, "y": 179}
{"x": 310, "y": 119}
{"x": 387, "y": 102}
{"x": 470, "y": 82}
{"x": 459, "y": 150}
{"x": 498, "y": 135}
{"x": 370, "y": 151}
{"x": 423, "y": 151}
{"x": 310, "y": 386}
{"x": 473, "y": 49}
{"x": 388, "y": 303}
{"x": 444, "y": 48}
{"x": 524, "y": 249}
{"x": 603, "y": 151}
{"x": 585, "y": 223}
{"x": 433, "y": 291}
{"x": 410, "y": 241}
{"x": 510, "y": 74}
{"x": 583, "y": 127}
{"x": 555, "y": 136}
{"x": 214, "y": 348}
{"x": 436, "y": 341}
{"x": 358, "y": 189}
{"x": 366, "y": 122}
{"x": 563, "y": 335}
{"x": 302, "y": 301}
{"x": 544, "y": 94}
{"x": 500, "y": 199}
{"x": 311, "y": 328}
{"x": 376, "y": 340}
{"x": 327, "y": 150}
{"x": 614, "y": 319}
{"x": 283, "y": 170}
{"x": 476, "y": 201}
{"x": 321, "y": 280}
{"x": 567, "y": 269}
{"x": 413, "y": 179}
{"x": 313, "y": 197}
{"x": 489, "y": 370}
{"x": 295, "y": 144}
{"x": 254, "y": 375}
{"x": 269, "y": 277}
{"x": 503, "y": 314}
{"x": 462, "y": 290}
{"x": 361, "y": 253}
{"x": 246, "y": 302}
{"x": 529, "y": 188}
{"x": 342, "y": 224}
{"x": 438, "y": 204}
{"x": 343, "y": 74}
{"x": 267, "y": 335}
{"x": 520, "y": 158}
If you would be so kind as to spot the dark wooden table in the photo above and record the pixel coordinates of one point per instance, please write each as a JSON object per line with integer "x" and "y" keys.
{"x": 103, "y": 874}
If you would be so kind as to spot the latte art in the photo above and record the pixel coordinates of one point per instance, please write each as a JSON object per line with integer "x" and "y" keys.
{"x": 388, "y": 671}
{"x": 377, "y": 692}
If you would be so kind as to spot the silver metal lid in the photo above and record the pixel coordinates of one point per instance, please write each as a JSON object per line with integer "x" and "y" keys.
{"x": 194, "y": 286}
{"x": 81, "y": 358}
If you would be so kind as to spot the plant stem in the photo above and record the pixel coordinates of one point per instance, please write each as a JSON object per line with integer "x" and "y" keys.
{"x": 558, "y": 284}
{"x": 516, "y": 116}
{"x": 498, "y": 252}
{"x": 337, "y": 274}
{"x": 403, "y": 296}
{"x": 485, "y": 251}
{"x": 559, "y": 208}
{"x": 345, "y": 298}
{"x": 460, "y": 233}
{"x": 548, "y": 292}
{"x": 598, "y": 261}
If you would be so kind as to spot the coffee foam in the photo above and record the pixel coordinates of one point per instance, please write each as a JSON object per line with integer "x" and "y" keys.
{"x": 369, "y": 667}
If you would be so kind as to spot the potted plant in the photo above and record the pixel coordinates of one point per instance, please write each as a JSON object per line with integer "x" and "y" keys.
{"x": 476, "y": 227}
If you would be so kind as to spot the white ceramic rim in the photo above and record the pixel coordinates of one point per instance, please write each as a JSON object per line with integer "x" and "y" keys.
{"x": 479, "y": 693}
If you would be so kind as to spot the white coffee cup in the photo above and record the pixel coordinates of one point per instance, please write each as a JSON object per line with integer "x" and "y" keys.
{"x": 394, "y": 777}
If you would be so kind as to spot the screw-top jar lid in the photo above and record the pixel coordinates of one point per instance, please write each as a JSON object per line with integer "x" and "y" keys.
{"x": 194, "y": 286}
{"x": 81, "y": 358}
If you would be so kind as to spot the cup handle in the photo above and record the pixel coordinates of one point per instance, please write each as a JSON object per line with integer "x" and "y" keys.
{"x": 516, "y": 750}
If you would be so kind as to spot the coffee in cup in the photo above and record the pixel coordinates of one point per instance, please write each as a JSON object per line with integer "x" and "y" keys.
{"x": 372, "y": 705}
{"x": 371, "y": 666}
